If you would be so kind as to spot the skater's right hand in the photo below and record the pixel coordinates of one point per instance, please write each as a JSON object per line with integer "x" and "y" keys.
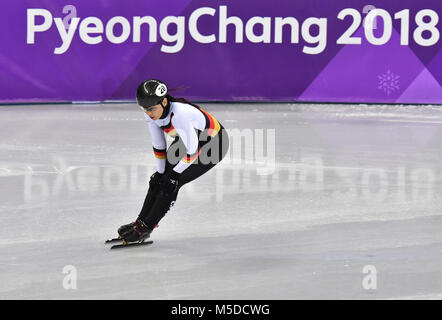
{"x": 155, "y": 179}
{"x": 169, "y": 182}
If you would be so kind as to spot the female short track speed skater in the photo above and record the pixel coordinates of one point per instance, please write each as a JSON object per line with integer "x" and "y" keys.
{"x": 200, "y": 142}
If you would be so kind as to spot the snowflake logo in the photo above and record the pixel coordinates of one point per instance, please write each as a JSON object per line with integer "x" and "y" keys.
{"x": 388, "y": 82}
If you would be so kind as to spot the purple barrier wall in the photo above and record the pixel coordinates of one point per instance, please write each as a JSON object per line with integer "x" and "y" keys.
{"x": 303, "y": 50}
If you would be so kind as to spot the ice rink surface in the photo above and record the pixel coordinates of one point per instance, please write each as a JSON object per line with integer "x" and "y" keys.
{"x": 313, "y": 202}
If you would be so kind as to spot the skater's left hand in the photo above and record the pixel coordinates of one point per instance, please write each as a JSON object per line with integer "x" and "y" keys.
{"x": 169, "y": 182}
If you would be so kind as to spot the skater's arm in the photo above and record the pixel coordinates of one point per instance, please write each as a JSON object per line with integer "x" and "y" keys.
{"x": 189, "y": 137}
{"x": 159, "y": 146}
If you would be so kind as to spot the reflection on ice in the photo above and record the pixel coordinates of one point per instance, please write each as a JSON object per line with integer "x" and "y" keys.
{"x": 395, "y": 183}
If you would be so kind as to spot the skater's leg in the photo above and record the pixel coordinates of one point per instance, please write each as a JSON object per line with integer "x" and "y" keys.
{"x": 128, "y": 231}
{"x": 163, "y": 202}
{"x": 148, "y": 202}
{"x": 211, "y": 154}
{"x": 154, "y": 188}
{"x": 215, "y": 149}
{"x": 154, "y": 183}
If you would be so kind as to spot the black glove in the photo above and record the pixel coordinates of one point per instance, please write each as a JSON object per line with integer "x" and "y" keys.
{"x": 169, "y": 182}
{"x": 155, "y": 179}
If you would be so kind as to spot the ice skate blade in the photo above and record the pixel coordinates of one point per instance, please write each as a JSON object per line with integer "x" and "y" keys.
{"x": 131, "y": 244}
{"x": 114, "y": 240}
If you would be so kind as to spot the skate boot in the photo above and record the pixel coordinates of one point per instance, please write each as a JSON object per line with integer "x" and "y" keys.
{"x": 125, "y": 228}
{"x": 137, "y": 232}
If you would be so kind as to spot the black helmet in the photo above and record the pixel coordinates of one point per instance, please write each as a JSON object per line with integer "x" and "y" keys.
{"x": 151, "y": 92}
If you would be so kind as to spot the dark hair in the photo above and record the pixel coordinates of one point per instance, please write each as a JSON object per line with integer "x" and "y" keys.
{"x": 182, "y": 100}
